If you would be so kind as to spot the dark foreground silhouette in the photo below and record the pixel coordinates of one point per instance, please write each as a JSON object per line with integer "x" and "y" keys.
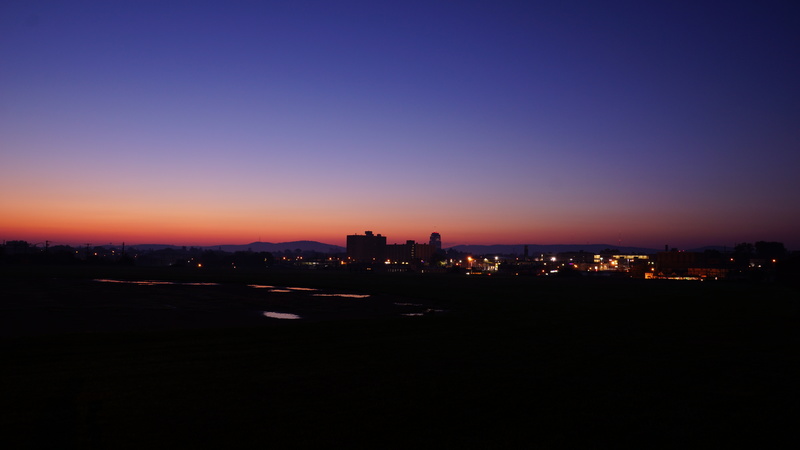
{"x": 492, "y": 363}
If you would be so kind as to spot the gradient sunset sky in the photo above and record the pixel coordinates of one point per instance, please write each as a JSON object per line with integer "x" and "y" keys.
{"x": 569, "y": 122}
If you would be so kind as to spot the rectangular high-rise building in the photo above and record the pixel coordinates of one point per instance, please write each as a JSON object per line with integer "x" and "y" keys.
{"x": 366, "y": 248}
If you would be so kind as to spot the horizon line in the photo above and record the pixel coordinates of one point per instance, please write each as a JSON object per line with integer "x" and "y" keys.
{"x": 75, "y": 244}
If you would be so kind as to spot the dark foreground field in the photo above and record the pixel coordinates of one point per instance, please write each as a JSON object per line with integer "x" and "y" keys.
{"x": 491, "y": 363}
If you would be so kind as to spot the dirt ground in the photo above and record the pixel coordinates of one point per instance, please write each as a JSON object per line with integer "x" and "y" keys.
{"x": 483, "y": 363}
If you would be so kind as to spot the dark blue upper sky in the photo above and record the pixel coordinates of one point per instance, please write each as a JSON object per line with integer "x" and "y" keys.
{"x": 495, "y": 122}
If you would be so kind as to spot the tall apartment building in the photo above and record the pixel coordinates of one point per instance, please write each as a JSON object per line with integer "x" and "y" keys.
{"x": 366, "y": 247}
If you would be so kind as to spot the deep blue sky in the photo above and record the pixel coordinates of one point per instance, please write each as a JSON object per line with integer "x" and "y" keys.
{"x": 492, "y": 122}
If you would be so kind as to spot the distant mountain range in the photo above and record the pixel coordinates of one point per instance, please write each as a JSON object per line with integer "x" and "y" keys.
{"x": 517, "y": 249}
{"x": 304, "y": 246}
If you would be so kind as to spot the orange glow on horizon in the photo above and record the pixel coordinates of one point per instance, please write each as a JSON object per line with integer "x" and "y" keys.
{"x": 134, "y": 223}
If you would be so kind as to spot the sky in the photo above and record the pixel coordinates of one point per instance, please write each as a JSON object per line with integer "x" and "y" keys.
{"x": 490, "y": 122}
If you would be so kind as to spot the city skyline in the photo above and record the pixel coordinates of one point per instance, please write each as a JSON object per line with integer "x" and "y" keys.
{"x": 314, "y": 245}
{"x": 579, "y": 123}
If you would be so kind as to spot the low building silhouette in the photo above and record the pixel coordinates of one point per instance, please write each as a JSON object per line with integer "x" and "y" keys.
{"x": 409, "y": 252}
{"x": 369, "y": 248}
{"x": 366, "y": 248}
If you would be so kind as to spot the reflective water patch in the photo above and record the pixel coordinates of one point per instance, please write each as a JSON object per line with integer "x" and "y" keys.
{"x": 142, "y": 283}
{"x": 342, "y": 295}
{"x": 280, "y": 315}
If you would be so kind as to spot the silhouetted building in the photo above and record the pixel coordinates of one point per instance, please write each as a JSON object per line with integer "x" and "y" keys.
{"x": 409, "y": 252}
{"x": 366, "y": 248}
{"x": 716, "y": 273}
{"x": 675, "y": 262}
{"x": 423, "y": 252}
{"x": 371, "y": 248}
{"x": 580, "y": 257}
{"x": 436, "y": 241}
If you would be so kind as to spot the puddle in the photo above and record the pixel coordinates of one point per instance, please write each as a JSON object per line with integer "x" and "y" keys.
{"x": 342, "y": 295}
{"x": 279, "y": 290}
{"x": 142, "y": 283}
{"x": 300, "y": 289}
{"x": 280, "y": 315}
{"x": 151, "y": 282}
{"x": 260, "y": 286}
{"x": 427, "y": 312}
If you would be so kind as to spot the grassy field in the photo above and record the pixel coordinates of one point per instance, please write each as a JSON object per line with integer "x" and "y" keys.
{"x": 502, "y": 363}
